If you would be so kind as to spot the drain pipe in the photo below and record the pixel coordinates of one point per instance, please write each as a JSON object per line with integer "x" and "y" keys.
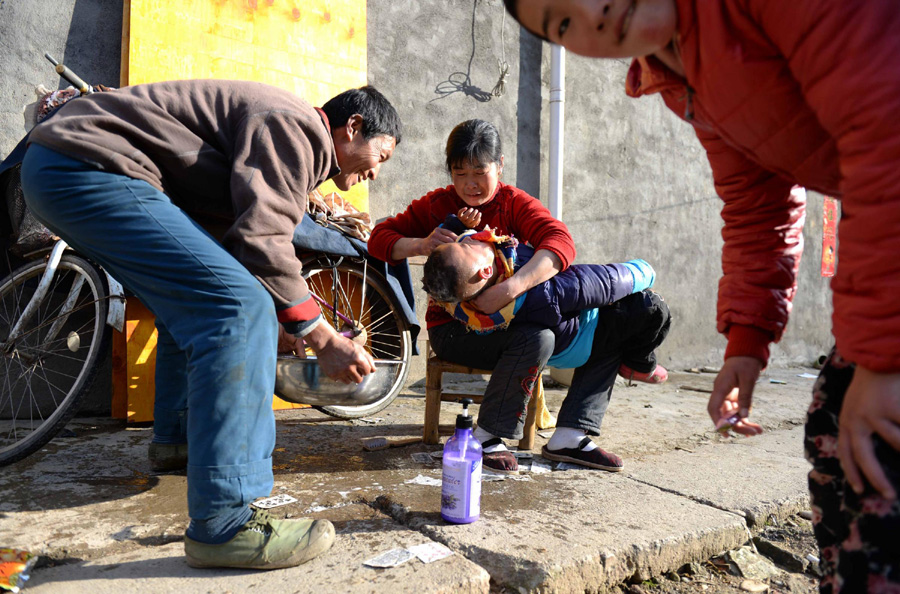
{"x": 557, "y": 118}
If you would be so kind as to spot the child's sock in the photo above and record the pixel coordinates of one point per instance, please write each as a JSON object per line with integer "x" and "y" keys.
{"x": 567, "y": 438}
{"x": 482, "y": 436}
{"x": 221, "y": 528}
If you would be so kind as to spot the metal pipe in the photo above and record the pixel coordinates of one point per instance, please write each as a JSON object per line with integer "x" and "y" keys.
{"x": 557, "y": 121}
{"x": 66, "y": 73}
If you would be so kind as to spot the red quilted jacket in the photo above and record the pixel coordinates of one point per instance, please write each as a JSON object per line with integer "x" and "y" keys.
{"x": 796, "y": 92}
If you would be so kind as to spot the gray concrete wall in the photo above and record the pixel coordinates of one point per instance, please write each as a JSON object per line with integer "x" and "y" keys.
{"x": 86, "y": 35}
{"x": 637, "y": 183}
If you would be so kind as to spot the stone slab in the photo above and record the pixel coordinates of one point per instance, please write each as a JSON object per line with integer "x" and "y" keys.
{"x": 574, "y": 531}
{"x": 759, "y": 477}
{"x": 362, "y": 533}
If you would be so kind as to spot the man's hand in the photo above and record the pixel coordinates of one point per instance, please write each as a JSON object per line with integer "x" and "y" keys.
{"x": 339, "y": 357}
{"x": 290, "y": 344}
{"x": 871, "y": 406}
{"x": 494, "y": 298}
{"x": 469, "y": 216}
{"x": 437, "y": 237}
{"x": 732, "y": 395}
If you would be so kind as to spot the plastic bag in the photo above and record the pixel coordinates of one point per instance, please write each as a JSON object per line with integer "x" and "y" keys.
{"x": 15, "y": 565}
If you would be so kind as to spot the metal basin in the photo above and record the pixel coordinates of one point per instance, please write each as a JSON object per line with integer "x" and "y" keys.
{"x": 302, "y": 381}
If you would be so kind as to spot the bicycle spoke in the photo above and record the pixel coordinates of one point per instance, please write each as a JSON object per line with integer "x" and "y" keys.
{"x": 51, "y": 386}
{"x": 374, "y": 322}
{"x": 345, "y": 303}
{"x": 12, "y": 405}
{"x": 17, "y": 295}
{"x": 60, "y": 352}
{"x": 386, "y": 342}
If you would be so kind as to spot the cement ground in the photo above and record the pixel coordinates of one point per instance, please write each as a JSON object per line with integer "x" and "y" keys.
{"x": 103, "y": 522}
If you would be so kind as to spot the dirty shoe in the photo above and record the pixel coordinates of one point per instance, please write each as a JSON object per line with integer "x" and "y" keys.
{"x": 166, "y": 457}
{"x": 265, "y": 543}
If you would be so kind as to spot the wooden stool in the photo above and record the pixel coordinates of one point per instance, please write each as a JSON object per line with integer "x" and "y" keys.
{"x": 434, "y": 394}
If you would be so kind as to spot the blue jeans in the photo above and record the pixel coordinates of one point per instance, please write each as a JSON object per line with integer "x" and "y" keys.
{"x": 217, "y": 326}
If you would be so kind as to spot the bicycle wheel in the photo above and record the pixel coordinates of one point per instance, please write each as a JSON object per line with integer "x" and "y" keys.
{"x": 49, "y": 368}
{"x": 385, "y": 333}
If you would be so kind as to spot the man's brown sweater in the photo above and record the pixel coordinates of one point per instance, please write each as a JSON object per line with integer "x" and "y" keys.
{"x": 241, "y": 152}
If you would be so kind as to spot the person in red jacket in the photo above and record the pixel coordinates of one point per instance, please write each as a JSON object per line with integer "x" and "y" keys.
{"x": 784, "y": 93}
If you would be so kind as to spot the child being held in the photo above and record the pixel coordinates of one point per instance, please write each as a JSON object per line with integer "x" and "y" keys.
{"x": 605, "y": 319}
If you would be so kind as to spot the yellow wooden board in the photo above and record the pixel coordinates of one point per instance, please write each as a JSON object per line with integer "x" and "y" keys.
{"x": 315, "y": 48}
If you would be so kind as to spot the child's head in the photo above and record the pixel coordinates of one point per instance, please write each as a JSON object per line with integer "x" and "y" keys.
{"x": 600, "y": 28}
{"x": 459, "y": 271}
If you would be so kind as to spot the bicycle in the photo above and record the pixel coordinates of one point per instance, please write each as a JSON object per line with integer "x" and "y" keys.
{"x": 55, "y": 308}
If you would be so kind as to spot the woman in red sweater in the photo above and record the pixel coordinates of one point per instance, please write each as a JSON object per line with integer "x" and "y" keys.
{"x": 782, "y": 93}
{"x": 518, "y": 355}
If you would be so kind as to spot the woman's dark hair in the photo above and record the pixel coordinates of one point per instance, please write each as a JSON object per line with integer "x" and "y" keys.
{"x": 379, "y": 116}
{"x": 441, "y": 277}
{"x": 473, "y": 141}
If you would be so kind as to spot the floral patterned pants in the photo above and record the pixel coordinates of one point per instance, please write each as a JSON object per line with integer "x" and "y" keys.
{"x": 858, "y": 535}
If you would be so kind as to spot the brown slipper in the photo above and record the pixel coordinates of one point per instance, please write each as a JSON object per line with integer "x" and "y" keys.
{"x": 596, "y": 458}
{"x": 501, "y": 462}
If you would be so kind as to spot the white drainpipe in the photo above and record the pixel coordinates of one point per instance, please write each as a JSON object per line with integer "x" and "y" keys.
{"x": 557, "y": 118}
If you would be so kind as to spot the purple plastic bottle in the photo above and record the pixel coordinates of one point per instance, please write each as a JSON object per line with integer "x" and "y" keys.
{"x": 461, "y": 480}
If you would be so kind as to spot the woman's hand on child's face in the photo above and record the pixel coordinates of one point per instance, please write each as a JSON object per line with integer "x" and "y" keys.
{"x": 871, "y": 406}
{"x": 470, "y": 217}
{"x": 437, "y": 237}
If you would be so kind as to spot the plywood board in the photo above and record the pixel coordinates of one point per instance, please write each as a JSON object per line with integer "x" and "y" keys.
{"x": 315, "y": 48}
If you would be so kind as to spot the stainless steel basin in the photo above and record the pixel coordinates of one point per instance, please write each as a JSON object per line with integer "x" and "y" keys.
{"x": 302, "y": 381}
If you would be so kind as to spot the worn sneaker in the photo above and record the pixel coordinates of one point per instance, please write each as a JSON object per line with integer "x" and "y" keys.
{"x": 265, "y": 543}
{"x": 501, "y": 461}
{"x": 596, "y": 458}
{"x": 167, "y": 457}
{"x": 657, "y": 376}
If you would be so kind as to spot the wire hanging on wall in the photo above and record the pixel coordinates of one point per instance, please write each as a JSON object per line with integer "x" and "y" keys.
{"x": 502, "y": 65}
{"x": 461, "y": 82}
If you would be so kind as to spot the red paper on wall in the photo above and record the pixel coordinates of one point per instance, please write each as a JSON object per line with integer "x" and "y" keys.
{"x": 829, "y": 232}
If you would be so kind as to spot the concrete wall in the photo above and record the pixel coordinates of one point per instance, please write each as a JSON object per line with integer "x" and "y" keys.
{"x": 84, "y": 34}
{"x": 637, "y": 183}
